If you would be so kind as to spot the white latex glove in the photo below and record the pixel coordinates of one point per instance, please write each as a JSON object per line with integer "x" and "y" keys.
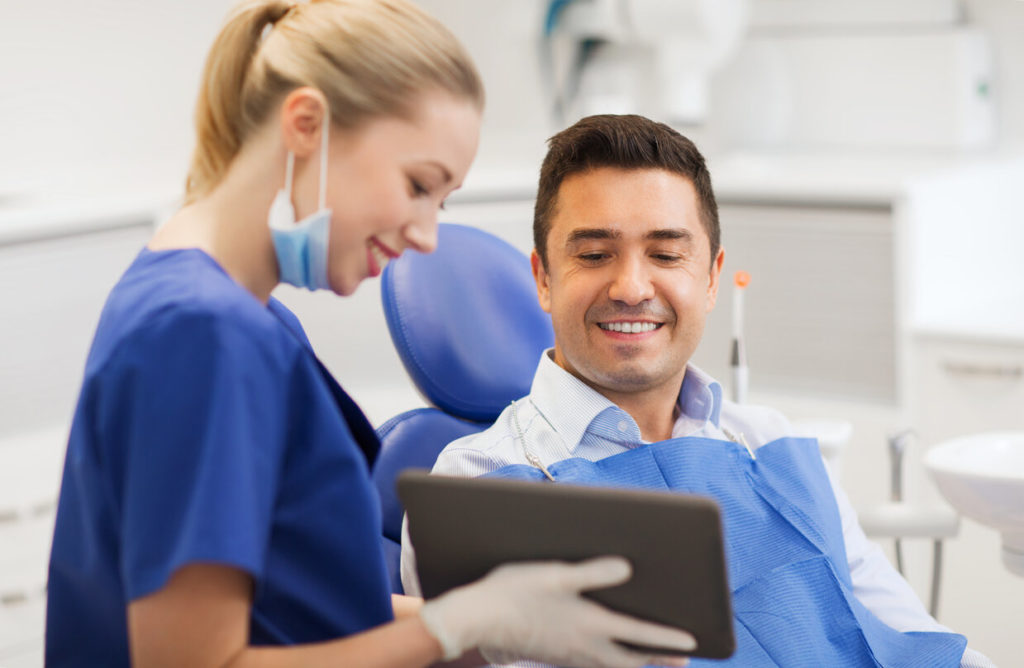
{"x": 534, "y": 611}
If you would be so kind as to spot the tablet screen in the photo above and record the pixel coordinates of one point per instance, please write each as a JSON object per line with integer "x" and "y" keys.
{"x": 462, "y": 528}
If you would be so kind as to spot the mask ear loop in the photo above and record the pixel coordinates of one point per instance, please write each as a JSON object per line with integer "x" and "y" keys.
{"x": 289, "y": 171}
{"x": 322, "y": 195}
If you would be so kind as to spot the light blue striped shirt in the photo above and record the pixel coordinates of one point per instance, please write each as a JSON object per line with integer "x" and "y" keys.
{"x": 563, "y": 417}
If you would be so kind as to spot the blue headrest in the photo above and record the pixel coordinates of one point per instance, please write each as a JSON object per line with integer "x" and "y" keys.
{"x": 466, "y": 322}
{"x": 413, "y": 439}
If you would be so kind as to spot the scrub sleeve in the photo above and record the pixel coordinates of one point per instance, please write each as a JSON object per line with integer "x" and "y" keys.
{"x": 208, "y": 415}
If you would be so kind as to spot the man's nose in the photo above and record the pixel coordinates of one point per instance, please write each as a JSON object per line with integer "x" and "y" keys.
{"x": 632, "y": 282}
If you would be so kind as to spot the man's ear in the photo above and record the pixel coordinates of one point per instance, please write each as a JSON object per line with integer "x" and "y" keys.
{"x": 716, "y": 274}
{"x": 303, "y": 114}
{"x": 540, "y": 275}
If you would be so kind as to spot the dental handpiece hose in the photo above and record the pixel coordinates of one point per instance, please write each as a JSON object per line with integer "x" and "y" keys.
{"x": 738, "y": 359}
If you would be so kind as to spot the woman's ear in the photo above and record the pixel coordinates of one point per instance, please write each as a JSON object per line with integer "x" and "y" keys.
{"x": 303, "y": 114}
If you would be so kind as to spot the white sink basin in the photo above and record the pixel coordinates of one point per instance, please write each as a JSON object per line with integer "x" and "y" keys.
{"x": 982, "y": 476}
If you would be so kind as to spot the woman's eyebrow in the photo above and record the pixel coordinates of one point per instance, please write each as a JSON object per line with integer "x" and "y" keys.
{"x": 444, "y": 171}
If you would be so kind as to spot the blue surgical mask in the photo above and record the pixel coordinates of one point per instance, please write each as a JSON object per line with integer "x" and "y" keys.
{"x": 301, "y": 247}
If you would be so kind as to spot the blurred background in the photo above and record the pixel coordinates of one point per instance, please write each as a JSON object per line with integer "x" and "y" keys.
{"x": 868, "y": 158}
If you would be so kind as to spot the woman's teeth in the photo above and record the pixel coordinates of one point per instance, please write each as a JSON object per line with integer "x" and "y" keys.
{"x": 379, "y": 256}
{"x": 629, "y": 327}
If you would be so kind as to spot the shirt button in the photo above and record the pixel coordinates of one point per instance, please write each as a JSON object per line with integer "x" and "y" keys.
{"x": 623, "y": 426}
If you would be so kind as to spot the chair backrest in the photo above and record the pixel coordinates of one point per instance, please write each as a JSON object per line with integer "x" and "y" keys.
{"x": 467, "y": 326}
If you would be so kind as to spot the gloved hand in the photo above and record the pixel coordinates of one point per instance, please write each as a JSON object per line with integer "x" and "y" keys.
{"x": 535, "y": 611}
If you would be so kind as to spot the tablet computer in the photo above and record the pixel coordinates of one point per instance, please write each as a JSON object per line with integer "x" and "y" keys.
{"x": 461, "y": 528}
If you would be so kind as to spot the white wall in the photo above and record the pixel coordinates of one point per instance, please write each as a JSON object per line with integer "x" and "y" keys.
{"x": 503, "y": 38}
{"x": 98, "y": 95}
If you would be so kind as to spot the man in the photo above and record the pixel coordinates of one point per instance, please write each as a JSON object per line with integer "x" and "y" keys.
{"x": 627, "y": 261}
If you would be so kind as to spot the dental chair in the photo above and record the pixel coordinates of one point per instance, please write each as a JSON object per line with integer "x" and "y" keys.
{"x": 468, "y": 329}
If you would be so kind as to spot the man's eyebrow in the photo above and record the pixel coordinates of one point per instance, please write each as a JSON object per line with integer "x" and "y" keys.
{"x": 671, "y": 234}
{"x": 589, "y": 234}
{"x": 602, "y": 233}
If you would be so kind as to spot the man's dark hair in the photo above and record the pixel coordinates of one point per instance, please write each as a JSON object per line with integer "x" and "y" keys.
{"x": 623, "y": 142}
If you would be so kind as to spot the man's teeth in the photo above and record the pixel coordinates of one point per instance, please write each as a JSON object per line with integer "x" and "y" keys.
{"x": 629, "y": 327}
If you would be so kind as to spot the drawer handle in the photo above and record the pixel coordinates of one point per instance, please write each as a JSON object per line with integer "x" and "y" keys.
{"x": 1008, "y": 371}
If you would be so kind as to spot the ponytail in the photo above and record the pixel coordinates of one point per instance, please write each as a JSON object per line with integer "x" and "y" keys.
{"x": 218, "y": 115}
{"x": 369, "y": 58}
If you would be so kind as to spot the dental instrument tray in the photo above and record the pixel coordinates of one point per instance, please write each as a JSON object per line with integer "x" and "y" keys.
{"x": 462, "y": 528}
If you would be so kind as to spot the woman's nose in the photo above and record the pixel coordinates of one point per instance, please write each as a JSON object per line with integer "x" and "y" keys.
{"x": 421, "y": 236}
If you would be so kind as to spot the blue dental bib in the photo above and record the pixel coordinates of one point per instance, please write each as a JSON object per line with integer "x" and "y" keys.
{"x": 793, "y": 601}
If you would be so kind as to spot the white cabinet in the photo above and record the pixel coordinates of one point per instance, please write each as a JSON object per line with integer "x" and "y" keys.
{"x": 960, "y": 386}
{"x": 52, "y": 292}
{"x": 820, "y": 312}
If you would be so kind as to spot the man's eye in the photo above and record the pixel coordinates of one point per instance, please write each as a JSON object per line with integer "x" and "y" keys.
{"x": 592, "y": 257}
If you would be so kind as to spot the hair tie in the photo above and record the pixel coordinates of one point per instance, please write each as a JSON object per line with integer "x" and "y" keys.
{"x": 272, "y": 21}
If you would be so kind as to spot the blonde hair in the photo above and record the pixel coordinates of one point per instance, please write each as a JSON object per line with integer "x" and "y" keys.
{"x": 369, "y": 58}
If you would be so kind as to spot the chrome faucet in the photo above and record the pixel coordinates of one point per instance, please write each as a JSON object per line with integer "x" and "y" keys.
{"x": 898, "y": 442}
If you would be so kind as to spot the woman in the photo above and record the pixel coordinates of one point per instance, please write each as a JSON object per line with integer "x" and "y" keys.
{"x": 216, "y": 507}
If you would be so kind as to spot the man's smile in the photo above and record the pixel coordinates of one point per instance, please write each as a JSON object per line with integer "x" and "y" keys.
{"x": 635, "y": 327}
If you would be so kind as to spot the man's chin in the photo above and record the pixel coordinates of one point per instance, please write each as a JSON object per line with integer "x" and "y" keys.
{"x": 622, "y": 371}
{"x": 626, "y": 378}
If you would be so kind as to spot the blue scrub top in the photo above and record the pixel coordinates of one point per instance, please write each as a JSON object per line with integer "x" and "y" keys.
{"x": 207, "y": 431}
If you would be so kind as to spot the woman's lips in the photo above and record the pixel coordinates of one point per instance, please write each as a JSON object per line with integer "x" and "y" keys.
{"x": 377, "y": 257}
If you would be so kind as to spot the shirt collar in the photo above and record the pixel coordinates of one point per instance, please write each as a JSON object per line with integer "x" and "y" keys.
{"x": 569, "y": 404}
{"x": 572, "y": 406}
{"x": 701, "y": 396}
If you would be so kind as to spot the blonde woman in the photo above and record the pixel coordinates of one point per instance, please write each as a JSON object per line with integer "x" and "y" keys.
{"x": 216, "y": 507}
